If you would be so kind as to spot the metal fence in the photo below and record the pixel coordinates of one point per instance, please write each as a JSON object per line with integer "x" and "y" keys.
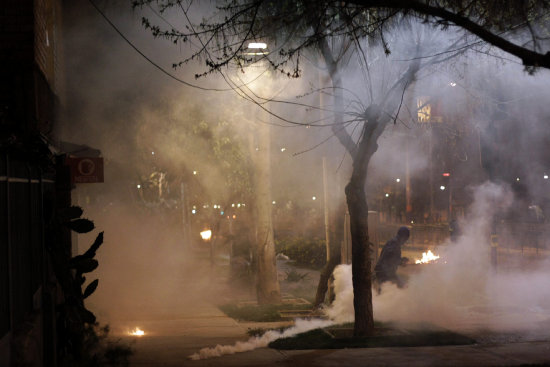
{"x": 22, "y": 250}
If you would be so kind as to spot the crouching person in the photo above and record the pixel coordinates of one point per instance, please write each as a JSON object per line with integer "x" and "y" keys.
{"x": 390, "y": 258}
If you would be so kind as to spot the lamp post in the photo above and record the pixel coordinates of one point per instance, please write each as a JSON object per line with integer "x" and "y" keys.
{"x": 267, "y": 287}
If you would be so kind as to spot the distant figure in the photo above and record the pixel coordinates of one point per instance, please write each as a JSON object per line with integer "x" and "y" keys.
{"x": 454, "y": 230}
{"x": 390, "y": 259}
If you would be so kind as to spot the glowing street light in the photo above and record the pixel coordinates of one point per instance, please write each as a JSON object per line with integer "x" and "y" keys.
{"x": 441, "y": 187}
{"x": 194, "y": 172}
{"x": 257, "y": 48}
{"x": 314, "y": 198}
{"x": 257, "y": 45}
{"x": 546, "y": 177}
{"x": 397, "y": 180}
{"x": 387, "y": 195}
{"x": 139, "y": 186}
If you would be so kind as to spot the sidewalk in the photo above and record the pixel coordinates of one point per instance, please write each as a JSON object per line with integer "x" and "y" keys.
{"x": 169, "y": 343}
{"x": 185, "y": 326}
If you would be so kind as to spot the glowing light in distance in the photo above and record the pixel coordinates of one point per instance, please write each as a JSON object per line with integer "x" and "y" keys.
{"x": 139, "y": 186}
{"x": 152, "y": 153}
{"x": 412, "y": 221}
{"x": 387, "y": 195}
{"x": 314, "y": 198}
{"x": 206, "y": 234}
{"x": 283, "y": 149}
{"x": 137, "y": 332}
{"x": 257, "y": 45}
{"x": 517, "y": 179}
{"x": 273, "y": 202}
{"x": 238, "y": 205}
{"x": 232, "y": 205}
{"x": 194, "y": 211}
{"x": 452, "y": 84}
{"x": 234, "y": 216}
{"x": 546, "y": 177}
{"x": 442, "y": 187}
{"x": 446, "y": 174}
{"x": 215, "y": 206}
{"x": 194, "y": 172}
{"x": 397, "y": 180}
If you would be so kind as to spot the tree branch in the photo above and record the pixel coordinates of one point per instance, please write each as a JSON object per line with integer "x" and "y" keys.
{"x": 528, "y": 57}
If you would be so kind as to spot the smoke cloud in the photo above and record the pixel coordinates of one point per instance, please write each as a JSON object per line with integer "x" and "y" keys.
{"x": 123, "y": 106}
{"x": 462, "y": 291}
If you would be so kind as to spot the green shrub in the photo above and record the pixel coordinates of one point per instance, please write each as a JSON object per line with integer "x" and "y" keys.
{"x": 305, "y": 252}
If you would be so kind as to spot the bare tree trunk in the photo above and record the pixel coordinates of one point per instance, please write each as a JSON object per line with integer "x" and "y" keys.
{"x": 322, "y": 287}
{"x": 361, "y": 259}
{"x": 359, "y": 224}
{"x": 361, "y": 154}
{"x": 267, "y": 287}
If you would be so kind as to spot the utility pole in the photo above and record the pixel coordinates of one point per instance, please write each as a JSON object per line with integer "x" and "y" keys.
{"x": 326, "y": 207}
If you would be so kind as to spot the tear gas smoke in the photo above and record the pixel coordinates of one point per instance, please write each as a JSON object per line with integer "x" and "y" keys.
{"x": 121, "y": 105}
{"x": 300, "y": 326}
{"x": 465, "y": 293}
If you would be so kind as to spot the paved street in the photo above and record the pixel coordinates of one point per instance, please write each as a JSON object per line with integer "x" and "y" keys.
{"x": 171, "y": 342}
{"x": 187, "y": 325}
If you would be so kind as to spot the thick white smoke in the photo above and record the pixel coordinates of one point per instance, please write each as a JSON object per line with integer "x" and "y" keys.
{"x": 300, "y": 326}
{"x": 463, "y": 291}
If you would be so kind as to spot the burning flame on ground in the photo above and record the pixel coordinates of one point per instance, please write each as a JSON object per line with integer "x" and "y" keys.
{"x": 206, "y": 234}
{"x": 137, "y": 332}
{"x": 427, "y": 257}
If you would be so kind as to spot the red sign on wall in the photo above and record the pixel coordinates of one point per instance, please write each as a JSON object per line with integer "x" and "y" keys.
{"x": 86, "y": 169}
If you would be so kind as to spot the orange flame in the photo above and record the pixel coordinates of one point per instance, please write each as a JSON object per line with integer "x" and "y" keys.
{"x": 427, "y": 257}
{"x": 137, "y": 332}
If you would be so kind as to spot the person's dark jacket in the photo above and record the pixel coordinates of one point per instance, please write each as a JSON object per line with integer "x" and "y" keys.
{"x": 390, "y": 258}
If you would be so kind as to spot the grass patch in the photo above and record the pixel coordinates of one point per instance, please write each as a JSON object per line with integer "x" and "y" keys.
{"x": 336, "y": 337}
{"x": 260, "y": 313}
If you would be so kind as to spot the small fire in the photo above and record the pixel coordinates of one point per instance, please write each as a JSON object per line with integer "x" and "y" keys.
{"x": 137, "y": 332}
{"x": 427, "y": 257}
{"x": 207, "y": 233}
